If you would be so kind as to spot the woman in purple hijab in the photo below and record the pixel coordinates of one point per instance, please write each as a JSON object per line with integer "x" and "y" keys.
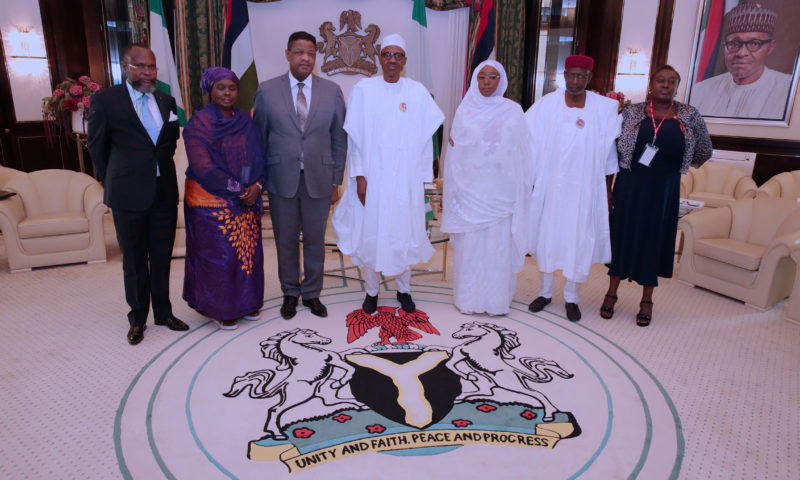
{"x": 222, "y": 205}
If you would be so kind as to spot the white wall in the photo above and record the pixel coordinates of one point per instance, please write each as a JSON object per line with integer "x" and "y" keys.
{"x": 638, "y": 27}
{"x": 29, "y": 78}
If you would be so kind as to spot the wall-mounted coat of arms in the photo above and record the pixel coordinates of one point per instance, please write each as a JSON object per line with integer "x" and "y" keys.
{"x": 349, "y": 52}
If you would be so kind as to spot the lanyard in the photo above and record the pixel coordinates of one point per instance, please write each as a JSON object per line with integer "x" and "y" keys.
{"x": 653, "y": 118}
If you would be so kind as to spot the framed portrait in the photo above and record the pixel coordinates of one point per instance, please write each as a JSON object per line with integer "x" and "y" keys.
{"x": 744, "y": 67}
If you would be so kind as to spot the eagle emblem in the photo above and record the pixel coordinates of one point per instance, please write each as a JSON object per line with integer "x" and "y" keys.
{"x": 349, "y": 52}
{"x": 393, "y": 322}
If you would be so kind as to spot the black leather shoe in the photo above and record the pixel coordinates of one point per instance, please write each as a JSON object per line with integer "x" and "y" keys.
{"x": 173, "y": 323}
{"x": 317, "y": 308}
{"x": 135, "y": 335}
{"x": 405, "y": 302}
{"x": 573, "y": 312}
{"x": 289, "y": 307}
{"x": 539, "y": 303}
{"x": 370, "y": 304}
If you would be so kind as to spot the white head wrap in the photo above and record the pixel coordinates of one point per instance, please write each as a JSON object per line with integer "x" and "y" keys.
{"x": 475, "y": 107}
{"x": 393, "y": 40}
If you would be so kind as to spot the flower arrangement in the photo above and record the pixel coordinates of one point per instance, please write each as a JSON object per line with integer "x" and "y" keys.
{"x": 69, "y": 96}
{"x": 620, "y": 97}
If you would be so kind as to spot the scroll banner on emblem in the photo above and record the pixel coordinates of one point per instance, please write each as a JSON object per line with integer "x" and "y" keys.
{"x": 297, "y": 461}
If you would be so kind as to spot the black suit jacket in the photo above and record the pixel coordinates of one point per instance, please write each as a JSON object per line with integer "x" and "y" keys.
{"x": 124, "y": 157}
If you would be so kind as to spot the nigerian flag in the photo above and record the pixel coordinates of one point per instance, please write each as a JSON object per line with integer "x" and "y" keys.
{"x": 237, "y": 52}
{"x": 417, "y": 54}
{"x": 159, "y": 44}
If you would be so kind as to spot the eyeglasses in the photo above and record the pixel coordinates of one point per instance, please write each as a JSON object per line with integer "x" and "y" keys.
{"x": 752, "y": 45}
{"x": 144, "y": 68}
{"x": 576, "y": 76}
{"x": 396, "y": 55}
{"x": 483, "y": 78}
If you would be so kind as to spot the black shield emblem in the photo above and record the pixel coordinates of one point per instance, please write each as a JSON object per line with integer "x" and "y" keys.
{"x": 389, "y": 383}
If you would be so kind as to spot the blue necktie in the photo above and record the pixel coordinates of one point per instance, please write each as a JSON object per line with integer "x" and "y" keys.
{"x": 148, "y": 121}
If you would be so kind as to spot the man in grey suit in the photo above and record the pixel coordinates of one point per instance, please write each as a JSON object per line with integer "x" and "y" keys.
{"x": 301, "y": 117}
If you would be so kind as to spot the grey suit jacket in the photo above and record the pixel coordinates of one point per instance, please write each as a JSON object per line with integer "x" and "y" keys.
{"x": 322, "y": 146}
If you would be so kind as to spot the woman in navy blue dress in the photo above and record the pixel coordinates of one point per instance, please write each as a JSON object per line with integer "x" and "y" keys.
{"x": 660, "y": 140}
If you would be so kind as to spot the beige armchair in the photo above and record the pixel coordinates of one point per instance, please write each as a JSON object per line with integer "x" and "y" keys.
{"x": 783, "y": 185}
{"x": 717, "y": 184}
{"x": 181, "y": 163}
{"x": 742, "y": 250}
{"x": 793, "y": 312}
{"x": 56, "y": 218}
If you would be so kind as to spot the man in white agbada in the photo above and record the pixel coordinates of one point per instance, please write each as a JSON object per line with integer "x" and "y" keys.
{"x": 748, "y": 89}
{"x": 380, "y": 221}
{"x": 574, "y": 155}
{"x": 488, "y": 178}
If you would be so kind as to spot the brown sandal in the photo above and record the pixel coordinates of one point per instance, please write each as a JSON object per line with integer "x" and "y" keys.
{"x": 643, "y": 319}
{"x": 607, "y": 311}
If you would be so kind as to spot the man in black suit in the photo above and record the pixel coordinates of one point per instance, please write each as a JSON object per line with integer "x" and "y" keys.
{"x": 133, "y": 131}
{"x": 301, "y": 117}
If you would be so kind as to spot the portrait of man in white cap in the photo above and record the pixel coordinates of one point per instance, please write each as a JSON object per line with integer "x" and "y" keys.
{"x": 749, "y": 89}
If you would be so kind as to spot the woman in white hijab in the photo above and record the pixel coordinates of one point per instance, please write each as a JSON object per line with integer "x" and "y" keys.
{"x": 488, "y": 176}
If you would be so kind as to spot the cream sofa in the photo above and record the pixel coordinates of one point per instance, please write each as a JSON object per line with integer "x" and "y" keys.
{"x": 56, "y": 218}
{"x": 742, "y": 250}
{"x": 717, "y": 184}
{"x": 793, "y": 312}
{"x": 783, "y": 185}
{"x": 181, "y": 163}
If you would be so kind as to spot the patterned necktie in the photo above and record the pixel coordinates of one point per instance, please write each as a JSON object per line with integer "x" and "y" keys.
{"x": 149, "y": 122}
{"x": 302, "y": 106}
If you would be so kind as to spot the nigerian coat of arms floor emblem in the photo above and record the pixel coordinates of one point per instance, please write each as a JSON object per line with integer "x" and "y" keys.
{"x": 398, "y": 395}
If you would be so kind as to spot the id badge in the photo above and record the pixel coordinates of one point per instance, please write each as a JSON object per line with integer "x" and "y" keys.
{"x": 649, "y": 153}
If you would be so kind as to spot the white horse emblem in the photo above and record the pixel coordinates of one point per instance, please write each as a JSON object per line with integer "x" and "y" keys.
{"x": 485, "y": 361}
{"x": 309, "y": 374}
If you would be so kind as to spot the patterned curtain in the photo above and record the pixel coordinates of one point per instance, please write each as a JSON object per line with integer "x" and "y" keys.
{"x": 511, "y": 44}
{"x": 201, "y": 26}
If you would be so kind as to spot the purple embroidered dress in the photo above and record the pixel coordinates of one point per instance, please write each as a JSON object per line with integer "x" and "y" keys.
{"x": 224, "y": 257}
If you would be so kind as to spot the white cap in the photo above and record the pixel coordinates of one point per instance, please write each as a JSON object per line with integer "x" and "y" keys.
{"x": 393, "y": 39}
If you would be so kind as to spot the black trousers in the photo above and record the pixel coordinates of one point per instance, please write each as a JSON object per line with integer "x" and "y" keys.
{"x": 145, "y": 239}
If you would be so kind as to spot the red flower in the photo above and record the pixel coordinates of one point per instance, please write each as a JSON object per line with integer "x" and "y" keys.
{"x": 139, "y": 11}
{"x": 71, "y": 105}
{"x": 84, "y": 79}
{"x": 58, "y": 92}
{"x": 376, "y": 428}
{"x": 528, "y": 415}
{"x": 93, "y": 86}
{"x": 342, "y": 418}
{"x": 303, "y": 432}
{"x": 486, "y": 408}
{"x": 76, "y": 91}
{"x": 462, "y": 423}
{"x": 86, "y": 101}
{"x": 612, "y": 95}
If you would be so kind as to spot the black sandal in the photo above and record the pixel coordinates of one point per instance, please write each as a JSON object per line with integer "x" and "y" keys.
{"x": 608, "y": 311}
{"x": 643, "y": 319}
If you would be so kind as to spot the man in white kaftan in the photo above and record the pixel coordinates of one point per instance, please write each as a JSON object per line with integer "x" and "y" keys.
{"x": 748, "y": 89}
{"x": 573, "y": 136}
{"x": 380, "y": 221}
